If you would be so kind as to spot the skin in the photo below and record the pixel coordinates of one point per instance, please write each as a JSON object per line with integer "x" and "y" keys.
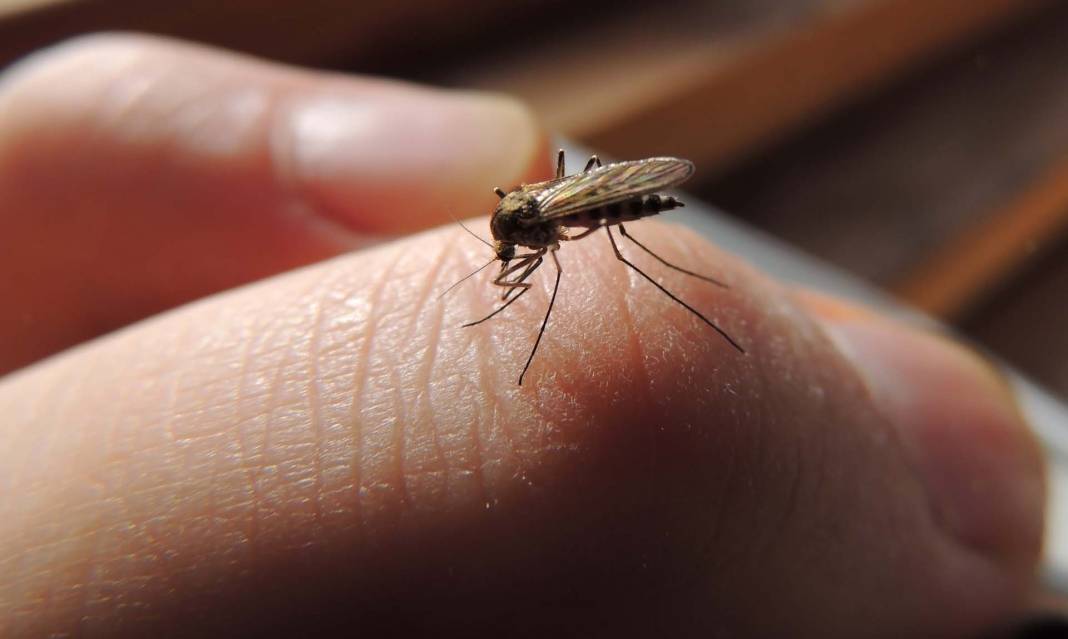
{"x": 325, "y": 451}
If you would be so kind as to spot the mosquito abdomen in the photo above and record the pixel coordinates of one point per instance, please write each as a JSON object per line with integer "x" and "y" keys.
{"x": 655, "y": 203}
{"x": 626, "y": 211}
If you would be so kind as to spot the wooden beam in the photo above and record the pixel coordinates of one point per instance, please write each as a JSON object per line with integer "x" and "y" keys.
{"x": 715, "y": 88}
{"x": 982, "y": 258}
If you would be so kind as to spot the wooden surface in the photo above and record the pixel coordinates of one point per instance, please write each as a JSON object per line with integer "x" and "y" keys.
{"x": 713, "y": 83}
{"x": 1028, "y": 323}
{"x": 317, "y": 32}
{"x": 939, "y": 189}
{"x": 13, "y": 8}
{"x": 983, "y": 258}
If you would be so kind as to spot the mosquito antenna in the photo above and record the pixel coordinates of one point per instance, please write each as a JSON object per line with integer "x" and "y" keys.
{"x": 473, "y": 234}
{"x": 467, "y": 277}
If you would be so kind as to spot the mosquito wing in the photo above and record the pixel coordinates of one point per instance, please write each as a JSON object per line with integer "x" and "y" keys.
{"x": 610, "y": 184}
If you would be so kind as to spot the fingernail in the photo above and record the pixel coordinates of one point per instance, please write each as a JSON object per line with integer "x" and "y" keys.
{"x": 373, "y": 154}
{"x": 959, "y": 426}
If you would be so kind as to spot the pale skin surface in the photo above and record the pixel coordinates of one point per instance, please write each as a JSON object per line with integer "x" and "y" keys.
{"x": 325, "y": 450}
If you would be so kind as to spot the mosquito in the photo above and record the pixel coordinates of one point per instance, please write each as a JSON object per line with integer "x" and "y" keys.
{"x": 538, "y": 217}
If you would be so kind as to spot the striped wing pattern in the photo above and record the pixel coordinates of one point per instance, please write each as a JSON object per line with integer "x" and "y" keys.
{"x": 610, "y": 184}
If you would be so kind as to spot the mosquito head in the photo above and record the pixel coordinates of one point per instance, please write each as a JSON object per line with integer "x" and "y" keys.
{"x": 505, "y": 251}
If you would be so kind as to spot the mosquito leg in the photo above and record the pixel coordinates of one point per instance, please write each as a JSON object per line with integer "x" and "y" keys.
{"x": 619, "y": 256}
{"x": 525, "y": 257}
{"x": 544, "y": 322}
{"x": 503, "y": 306}
{"x": 518, "y": 284}
{"x": 523, "y": 261}
{"x": 511, "y": 286}
{"x": 593, "y": 161}
{"x": 560, "y": 163}
{"x": 582, "y": 234}
{"x": 512, "y": 289}
{"x": 666, "y": 263}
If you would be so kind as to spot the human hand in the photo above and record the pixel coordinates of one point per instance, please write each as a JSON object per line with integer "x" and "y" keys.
{"x": 325, "y": 450}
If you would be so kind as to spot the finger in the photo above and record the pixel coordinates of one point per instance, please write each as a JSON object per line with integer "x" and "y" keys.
{"x": 941, "y": 397}
{"x": 138, "y": 173}
{"x": 326, "y": 450}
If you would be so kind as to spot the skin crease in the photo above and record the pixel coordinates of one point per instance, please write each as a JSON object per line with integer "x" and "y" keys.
{"x": 325, "y": 451}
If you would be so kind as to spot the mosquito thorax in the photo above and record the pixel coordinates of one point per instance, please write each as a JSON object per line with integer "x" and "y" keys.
{"x": 517, "y": 221}
{"x": 512, "y": 211}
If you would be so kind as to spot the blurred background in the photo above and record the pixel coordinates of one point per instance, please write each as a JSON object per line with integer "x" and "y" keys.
{"x": 919, "y": 144}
